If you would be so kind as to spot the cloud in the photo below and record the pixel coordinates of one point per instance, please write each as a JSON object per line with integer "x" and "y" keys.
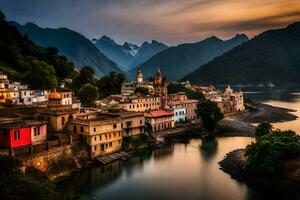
{"x": 171, "y": 21}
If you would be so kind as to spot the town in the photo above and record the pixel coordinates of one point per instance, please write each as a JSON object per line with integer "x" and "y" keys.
{"x": 37, "y": 121}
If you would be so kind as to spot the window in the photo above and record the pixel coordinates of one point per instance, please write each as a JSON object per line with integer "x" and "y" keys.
{"x": 17, "y": 135}
{"x": 115, "y": 126}
{"x": 94, "y": 129}
{"x": 110, "y": 144}
{"x": 95, "y": 138}
{"x": 100, "y": 137}
{"x": 36, "y": 131}
{"x": 74, "y": 129}
{"x": 62, "y": 121}
{"x": 81, "y": 129}
{"x": 95, "y": 148}
{"x": 141, "y": 121}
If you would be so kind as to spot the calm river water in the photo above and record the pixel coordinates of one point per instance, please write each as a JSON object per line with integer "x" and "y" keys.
{"x": 182, "y": 170}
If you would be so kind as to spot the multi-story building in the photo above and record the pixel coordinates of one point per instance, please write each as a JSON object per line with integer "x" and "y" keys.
{"x": 128, "y": 88}
{"x": 186, "y": 108}
{"x": 18, "y": 133}
{"x": 160, "y": 119}
{"x": 142, "y": 104}
{"x": 101, "y": 131}
{"x": 230, "y": 101}
{"x": 132, "y": 123}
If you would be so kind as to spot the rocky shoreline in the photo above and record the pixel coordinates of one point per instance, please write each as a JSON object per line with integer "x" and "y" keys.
{"x": 265, "y": 112}
{"x": 287, "y": 181}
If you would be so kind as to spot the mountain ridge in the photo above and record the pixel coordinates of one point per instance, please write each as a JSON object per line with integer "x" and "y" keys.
{"x": 179, "y": 60}
{"x": 270, "y": 57}
{"x": 71, "y": 44}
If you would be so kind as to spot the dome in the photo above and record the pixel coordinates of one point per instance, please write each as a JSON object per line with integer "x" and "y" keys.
{"x": 54, "y": 95}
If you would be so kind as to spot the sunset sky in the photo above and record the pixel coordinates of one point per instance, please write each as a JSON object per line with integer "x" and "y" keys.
{"x": 170, "y": 21}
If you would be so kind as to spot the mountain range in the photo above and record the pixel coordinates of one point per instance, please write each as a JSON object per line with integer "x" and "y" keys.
{"x": 128, "y": 55}
{"x": 271, "y": 57}
{"x": 80, "y": 50}
{"x": 176, "y": 62}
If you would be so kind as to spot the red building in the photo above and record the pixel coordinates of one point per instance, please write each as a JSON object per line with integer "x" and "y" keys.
{"x": 160, "y": 119}
{"x": 15, "y": 134}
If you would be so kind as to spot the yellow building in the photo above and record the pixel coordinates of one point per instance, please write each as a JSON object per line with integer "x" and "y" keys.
{"x": 101, "y": 131}
{"x": 4, "y": 96}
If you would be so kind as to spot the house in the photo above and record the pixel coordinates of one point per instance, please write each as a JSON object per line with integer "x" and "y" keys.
{"x": 185, "y": 108}
{"x": 160, "y": 119}
{"x": 101, "y": 131}
{"x": 38, "y": 131}
{"x": 132, "y": 123}
{"x": 27, "y": 96}
{"x": 141, "y": 104}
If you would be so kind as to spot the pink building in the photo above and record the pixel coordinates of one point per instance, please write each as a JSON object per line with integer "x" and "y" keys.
{"x": 160, "y": 119}
{"x": 180, "y": 100}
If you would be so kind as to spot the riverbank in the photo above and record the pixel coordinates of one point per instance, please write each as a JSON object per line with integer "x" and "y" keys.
{"x": 287, "y": 181}
{"x": 265, "y": 112}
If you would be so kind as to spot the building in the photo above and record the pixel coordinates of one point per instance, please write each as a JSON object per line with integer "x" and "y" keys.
{"x": 101, "y": 131}
{"x": 38, "y": 131}
{"x": 59, "y": 110}
{"x": 132, "y": 123}
{"x": 237, "y": 96}
{"x": 141, "y": 104}
{"x": 128, "y": 88}
{"x": 18, "y": 133}
{"x": 230, "y": 101}
{"x": 160, "y": 119}
{"x": 185, "y": 108}
{"x": 27, "y": 96}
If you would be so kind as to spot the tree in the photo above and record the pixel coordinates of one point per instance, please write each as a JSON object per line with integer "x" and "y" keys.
{"x": 15, "y": 185}
{"x": 2, "y": 16}
{"x": 263, "y": 128}
{"x": 85, "y": 76}
{"x": 141, "y": 91}
{"x": 210, "y": 115}
{"x": 88, "y": 94}
{"x": 110, "y": 84}
{"x": 265, "y": 157}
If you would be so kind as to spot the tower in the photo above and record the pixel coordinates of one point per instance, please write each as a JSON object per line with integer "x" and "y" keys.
{"x": 139, "y": 76}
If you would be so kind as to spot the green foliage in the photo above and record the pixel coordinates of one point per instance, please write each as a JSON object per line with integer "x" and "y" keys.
{"x": 86, "y": 76}
{"x": 141, "y": 91}
{"x": 110, "y": 84}
{"x": 263, "y": 128}
{"x": 265, "y": 157}
{"x": 249, "y": 104}
{"x": 175, "y": 88}
{"x": 88, "y": 94}
{"x": 210, "y": 115}
{"x": 14, "y": 185}
{"x": 21, "y": 59}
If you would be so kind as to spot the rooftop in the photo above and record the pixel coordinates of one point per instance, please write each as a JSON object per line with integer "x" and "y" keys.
{"x": 158, "y": 113}
{"x": 20, "y": 124}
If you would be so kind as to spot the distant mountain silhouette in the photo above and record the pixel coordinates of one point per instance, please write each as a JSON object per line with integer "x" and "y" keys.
{"x": 128, "y": 55}
{"x": 175, "y": 62}
{"x": 271, "y": 57}
{"x": 71, "y": 44}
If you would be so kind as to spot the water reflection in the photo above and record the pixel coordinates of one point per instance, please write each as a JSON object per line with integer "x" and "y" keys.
{"x": 209, "y": 148}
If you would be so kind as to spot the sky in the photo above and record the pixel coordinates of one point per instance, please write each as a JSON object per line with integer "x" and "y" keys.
{"x": 169, "y": 21}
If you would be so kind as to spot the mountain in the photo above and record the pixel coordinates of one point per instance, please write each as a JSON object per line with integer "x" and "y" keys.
{"x": 146, "y": 51}
{"x": 271, "y": 57}
{"x": 123, "y": 55}
{"x": 175, "y": 62}
{"x": 77, "y": 48}
{"x": 128, "y": 55}
{"x": 24, "y": 61}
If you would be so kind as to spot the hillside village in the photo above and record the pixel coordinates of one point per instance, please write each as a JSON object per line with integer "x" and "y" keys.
{"x": 35, "y": 121}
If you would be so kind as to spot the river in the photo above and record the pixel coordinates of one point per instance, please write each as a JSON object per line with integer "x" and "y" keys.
{"x": 187, "y": 170}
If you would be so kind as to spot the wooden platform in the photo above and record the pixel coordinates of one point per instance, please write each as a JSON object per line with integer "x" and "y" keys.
{"x": 105, "y": 159}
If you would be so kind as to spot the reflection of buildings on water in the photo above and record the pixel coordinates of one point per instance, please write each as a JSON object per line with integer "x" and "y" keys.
{"x": 163, "y": 152}
{"x": 90, "y": 179}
